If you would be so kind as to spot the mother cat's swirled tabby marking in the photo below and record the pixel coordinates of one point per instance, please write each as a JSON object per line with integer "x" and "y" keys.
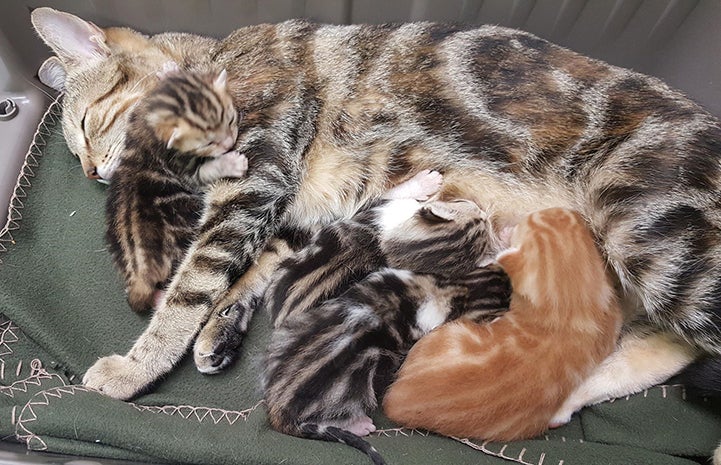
{"x": 335, "y": 114}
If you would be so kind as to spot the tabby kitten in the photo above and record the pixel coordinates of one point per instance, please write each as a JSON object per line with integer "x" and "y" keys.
{"x": 178, "y": 142}
{"x": 340, "y": 254}
{"x": 335, "y": 349}
{"x": 333, "y": 115}
{"x": 506, "y": 379}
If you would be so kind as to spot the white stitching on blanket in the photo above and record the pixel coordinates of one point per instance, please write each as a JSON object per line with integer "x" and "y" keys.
{"x": 7, "y": 337}
{"x": 37, "y": 375}
{"x": 501, "y": 453}
{"x": 395, "y": 432}
{"x": 14, "y": 215}
{"x": 664, "y": 392}
{"x": 188, "y": 412}
{"x": 200, "y": 413}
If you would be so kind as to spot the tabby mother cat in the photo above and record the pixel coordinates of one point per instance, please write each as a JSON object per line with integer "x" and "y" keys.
{"x": 334, "y": 115}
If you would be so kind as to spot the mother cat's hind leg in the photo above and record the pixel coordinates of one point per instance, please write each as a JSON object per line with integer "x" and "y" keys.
{"x": 642, "y": 359}
{"x": 217, "y": 343}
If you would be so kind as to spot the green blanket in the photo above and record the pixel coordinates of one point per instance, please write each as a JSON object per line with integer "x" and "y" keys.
{"x": 63, "y": 306}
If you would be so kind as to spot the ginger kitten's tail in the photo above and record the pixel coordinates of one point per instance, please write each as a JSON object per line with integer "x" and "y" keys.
{"x": 335, "y": 434}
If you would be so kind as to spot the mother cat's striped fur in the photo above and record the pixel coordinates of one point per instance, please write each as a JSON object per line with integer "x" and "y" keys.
{"x": 335, "y": 114}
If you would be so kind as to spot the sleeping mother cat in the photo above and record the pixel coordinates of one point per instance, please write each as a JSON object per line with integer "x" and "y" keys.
{"x": 334, "y": 115}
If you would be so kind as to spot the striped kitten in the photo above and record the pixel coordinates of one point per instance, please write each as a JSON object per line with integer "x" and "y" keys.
{"x": 505, "y": 380}
{"x": 342, "y": 329}
{"x": 178, "y": 142}
{"x": 341, "y": 254}
{"x": 334, "y": 115}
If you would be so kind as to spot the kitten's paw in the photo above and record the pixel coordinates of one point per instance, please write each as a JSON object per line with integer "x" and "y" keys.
{"x": 360, "y": 426}
{"x": 158, "y": 298}
{"x": 212, "y": 358}
{"x": 116, "y": 376}
{"x": 426, "y": 183}
{"x": 233, "y": 164}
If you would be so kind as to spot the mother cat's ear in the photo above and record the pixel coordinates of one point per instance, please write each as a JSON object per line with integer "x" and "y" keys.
{"x": 221, "y": 81}
{"x": 52, "y": 73}
{"x": 74, "y": 40}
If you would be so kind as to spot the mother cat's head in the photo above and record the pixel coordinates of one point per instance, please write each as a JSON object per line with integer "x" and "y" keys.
{"x": 103, "y": 73}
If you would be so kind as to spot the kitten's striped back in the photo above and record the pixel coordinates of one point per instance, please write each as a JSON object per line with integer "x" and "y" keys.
{"x": 155, "y": 198}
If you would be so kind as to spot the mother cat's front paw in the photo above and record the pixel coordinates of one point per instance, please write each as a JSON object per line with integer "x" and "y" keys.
{"x": 116, "y": 376}
{"x": 216, "y": 347}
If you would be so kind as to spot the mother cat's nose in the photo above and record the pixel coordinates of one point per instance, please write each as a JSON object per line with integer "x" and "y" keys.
{"x": 92, "y": 173}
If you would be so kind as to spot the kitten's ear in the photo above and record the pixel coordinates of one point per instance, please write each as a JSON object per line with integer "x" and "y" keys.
{"x": 52, "y": 73}
{"x": 173, "y": 137}
{"x": 437, "y": 212}
{"x": 73, "y": 40}
{"x": 221, "y": 82}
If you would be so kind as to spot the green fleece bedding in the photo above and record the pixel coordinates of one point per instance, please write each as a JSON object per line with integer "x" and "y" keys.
{"x": 63, "y": 307}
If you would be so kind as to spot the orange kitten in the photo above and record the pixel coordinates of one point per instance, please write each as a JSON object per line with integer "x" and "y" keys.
{"x": 505, "y": 380}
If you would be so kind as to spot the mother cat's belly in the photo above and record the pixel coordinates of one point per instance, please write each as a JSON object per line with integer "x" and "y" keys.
{"x": 336, "y": 184}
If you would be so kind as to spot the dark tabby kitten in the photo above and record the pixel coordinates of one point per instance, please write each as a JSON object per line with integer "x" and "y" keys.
{"x": 342, "y": 329}
{"x": 179, "y": 140}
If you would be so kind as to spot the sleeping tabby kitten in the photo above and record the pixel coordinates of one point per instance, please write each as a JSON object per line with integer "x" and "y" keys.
{"x": 342, "y": 328}
{"x": 505, "y": 380}
{"x": 336, "y": 114}
{"x": 178, "y": 141}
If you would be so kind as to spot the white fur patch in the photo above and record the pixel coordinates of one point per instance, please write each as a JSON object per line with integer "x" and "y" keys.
{"x": 430, "y": 315}
{"x": 396, "y": 212}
